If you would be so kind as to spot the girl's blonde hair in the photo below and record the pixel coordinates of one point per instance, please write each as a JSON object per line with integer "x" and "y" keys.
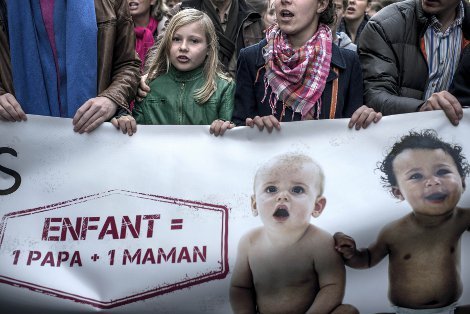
{"x": 161, "y": 62}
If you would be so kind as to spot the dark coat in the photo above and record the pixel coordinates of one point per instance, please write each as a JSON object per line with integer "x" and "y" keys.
{"x": 460, "y": 87}
{"x": 250, "y": 86}
{"x": 394, "y": 68}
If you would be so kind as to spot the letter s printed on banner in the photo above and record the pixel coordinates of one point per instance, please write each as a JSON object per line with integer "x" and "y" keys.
{"x": 13, "y": 173}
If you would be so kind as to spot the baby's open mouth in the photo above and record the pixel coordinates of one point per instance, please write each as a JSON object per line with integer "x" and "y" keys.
{"x": 436, "y": 197}
{"x": 281, "y": 212}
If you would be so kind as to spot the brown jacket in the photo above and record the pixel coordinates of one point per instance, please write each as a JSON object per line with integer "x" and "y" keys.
{"x": 118, "y": 62}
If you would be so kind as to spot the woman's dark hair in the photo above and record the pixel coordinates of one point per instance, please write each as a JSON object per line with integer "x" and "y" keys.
{"x": 328, "y": 16}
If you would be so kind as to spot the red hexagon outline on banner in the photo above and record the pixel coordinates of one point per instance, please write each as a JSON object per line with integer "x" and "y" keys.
{"x": 214, "y": 275}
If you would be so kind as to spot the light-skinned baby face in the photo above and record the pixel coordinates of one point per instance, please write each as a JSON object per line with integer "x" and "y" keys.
{"x": 288, "y": 195}
{"x": 428, "y": 180}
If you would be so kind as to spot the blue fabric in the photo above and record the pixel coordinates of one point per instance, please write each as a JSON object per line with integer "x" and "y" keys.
{"x": 33, "y": 65}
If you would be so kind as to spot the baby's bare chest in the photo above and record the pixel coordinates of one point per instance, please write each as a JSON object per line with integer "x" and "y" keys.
{"x": 425, "y": 245}
{"x": 289, "y": 266}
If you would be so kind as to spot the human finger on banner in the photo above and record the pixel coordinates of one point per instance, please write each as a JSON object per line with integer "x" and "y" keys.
{"x": 10, "y": 109}
{"x": 363, "y": 117}
{"x": 444, "y": 101}
{"x": 126, "y": 124}
{"x": 93, "y": 113}
{"x": 219, "y": 126}
{"x": 269, "y": 122}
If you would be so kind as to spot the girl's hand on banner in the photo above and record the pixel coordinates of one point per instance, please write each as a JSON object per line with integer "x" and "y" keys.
{"x": 126, "y": 124}
{"x": 219, "y": 126}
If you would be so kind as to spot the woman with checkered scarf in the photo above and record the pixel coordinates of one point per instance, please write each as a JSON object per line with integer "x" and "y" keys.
{"x": 297, "y": 73}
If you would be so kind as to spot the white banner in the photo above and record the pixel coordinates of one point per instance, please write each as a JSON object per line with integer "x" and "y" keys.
{"x": 151, "y": 223}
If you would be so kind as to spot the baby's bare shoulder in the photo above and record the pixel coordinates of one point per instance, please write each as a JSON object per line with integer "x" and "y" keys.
{"x": 394, "y": 228}
{"x": 463, "y": 216}
{"x": 252, "y": 236}
{"x": 318, "y": 237}
{"x": 248, "y": 240}
{"x": 463, "y": 212}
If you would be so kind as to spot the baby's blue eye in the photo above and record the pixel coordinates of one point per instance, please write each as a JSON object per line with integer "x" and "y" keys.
{"x": 416, "y": 176}
{"x": 175, "y": 39}
{"x": 298, "y": 189}
{"x": 195, "y": 41}
{"x": 271, "y": 189}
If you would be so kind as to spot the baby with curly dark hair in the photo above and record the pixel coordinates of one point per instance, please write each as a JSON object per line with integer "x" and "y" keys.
{"x": 423, "y": 247}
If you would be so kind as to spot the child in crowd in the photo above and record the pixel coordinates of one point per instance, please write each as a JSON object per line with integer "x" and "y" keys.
{"x": 297, "y": 73}
{"x": 424, "y": 246}
{"x": 149, "y": 19}
{"x": 187, "y": 86}
{"x": 288, "y": 265}
{"x": 269, "y": 17}
{"x": 266, "y": 9}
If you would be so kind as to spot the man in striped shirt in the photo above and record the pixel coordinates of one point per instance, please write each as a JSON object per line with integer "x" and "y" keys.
{"x": 409, "y": 52}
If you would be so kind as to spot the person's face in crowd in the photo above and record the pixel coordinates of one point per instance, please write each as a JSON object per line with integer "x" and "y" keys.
{"x": 339, "y": 10}
{"x": 269, "y": 18}
{"x": 188, "y": 47}
{"x": 440, "y": 8}
{"x": 140, "y": 7}
{"x": 371, "y": 12}
{"x": 298, "y": 19}
{"x": 356, "y": 9}
{"x": 428, "y": 180}
{"x": 171, "y": 3}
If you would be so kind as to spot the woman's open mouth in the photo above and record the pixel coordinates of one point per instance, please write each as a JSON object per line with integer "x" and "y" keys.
{"x": 285, "y": 14}
{"x": 133, "y": 5}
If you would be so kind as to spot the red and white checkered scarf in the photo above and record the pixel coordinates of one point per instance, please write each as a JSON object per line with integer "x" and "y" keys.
{"x": 297, "y": 76}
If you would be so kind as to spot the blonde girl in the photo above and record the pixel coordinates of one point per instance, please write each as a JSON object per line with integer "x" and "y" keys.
{"x": 186, "y": 84}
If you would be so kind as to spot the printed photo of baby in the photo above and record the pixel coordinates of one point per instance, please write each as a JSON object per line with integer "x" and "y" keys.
{"x": 288, "y": 265}
{"x": 423, "y": 247}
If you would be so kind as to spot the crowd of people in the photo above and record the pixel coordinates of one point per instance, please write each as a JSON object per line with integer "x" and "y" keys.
{"x": 230, "y": 63}
{"x": 270, "y": 61}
